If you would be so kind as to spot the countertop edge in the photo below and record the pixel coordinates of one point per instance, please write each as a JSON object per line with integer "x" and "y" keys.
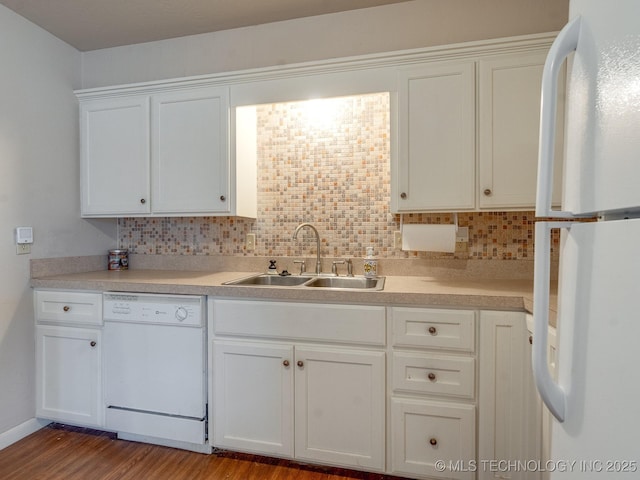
{"x": 418, "y": 291}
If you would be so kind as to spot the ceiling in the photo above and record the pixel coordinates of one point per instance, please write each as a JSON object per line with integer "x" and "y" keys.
{"x": 95, "y": 24}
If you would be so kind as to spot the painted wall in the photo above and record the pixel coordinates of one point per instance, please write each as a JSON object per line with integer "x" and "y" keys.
{"x": 39, "y": 187}
{"x": 419, "y": 23}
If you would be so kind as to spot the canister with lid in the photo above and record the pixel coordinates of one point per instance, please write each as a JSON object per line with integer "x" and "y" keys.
{"x": 118, "y": 259}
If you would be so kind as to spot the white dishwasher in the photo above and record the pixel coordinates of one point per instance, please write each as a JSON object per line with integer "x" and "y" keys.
{"x": 154, "y": 353}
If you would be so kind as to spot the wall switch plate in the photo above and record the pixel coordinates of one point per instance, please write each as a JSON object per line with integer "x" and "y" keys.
{"x": 462, "y": 235}
{"x": 250, "y": 242}
{"x": 23, "y": 248}
{"x": 397, "y": 240}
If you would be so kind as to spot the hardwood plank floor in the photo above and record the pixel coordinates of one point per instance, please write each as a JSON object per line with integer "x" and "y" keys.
{"x": 59, "y": 452}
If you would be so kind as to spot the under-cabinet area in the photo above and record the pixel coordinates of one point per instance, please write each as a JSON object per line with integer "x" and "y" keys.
{"x": 422, "y": 392}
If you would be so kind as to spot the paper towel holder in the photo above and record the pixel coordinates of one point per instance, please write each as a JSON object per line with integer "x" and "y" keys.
{"x": 455, "y": 221}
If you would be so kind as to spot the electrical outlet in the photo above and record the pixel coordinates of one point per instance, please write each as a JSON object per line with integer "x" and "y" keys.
{"x": 397, "y": 240}
{"x": 462, "y": 235}
{"x": 250, "y": 243}
{"x": 23, "y": 248}
{"x": 462, "y": 247}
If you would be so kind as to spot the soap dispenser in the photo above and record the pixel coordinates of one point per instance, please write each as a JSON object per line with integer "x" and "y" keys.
{"x": 370, "y": 264}
{"x": 272, "y": 270}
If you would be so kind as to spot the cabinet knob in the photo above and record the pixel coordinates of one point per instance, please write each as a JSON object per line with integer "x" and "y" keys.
{"x": 286, "y": 363}
{"x": 143, "y": 201}
{"x": 403, "y": 195}
{"x": 300, "y": 363}
{"x": 93, "y": 343}
{"x": 487, "y": 192}
{"x": 432, "y": 376}
{"x": 530, "y": 339}
{"x": 66, "y": 308}
{"x": 433, "y": 331}
{"x": 433, "y": 442}
{"x": 222, "y": 198}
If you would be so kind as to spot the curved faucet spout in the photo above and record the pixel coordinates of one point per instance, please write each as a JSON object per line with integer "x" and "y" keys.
{"x": 295, "y": 236}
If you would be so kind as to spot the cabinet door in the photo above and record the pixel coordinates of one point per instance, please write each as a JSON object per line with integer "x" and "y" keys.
{"x": 509, "y": 127}
{"x": 68, "y": 375}
{"x": 509, "y": 412}
{"x": 190, "y": 159}
{"x": 339, "y": 410}
{"x": 114, "y": 156}
{"x": 253, "y": 397}
{"x": 435, "y": 168}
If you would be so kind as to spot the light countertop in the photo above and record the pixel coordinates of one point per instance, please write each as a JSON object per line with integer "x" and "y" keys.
{"x": 398, "y": 290}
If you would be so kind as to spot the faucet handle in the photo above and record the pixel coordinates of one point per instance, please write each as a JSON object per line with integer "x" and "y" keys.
{"x": 349, "y": 267}
{"x": 334, "y": 266}
{"x": 303, "y": 266}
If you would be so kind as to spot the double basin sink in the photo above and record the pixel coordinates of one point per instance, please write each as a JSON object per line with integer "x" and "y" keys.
{"x": 334, "y": 283}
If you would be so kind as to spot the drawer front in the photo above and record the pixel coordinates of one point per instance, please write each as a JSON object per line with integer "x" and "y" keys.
{"x": 360, "y": 324}
{"x": 425, "y": 434}
{"x": 76, "y": 308}
{"x": 433, "y": 374}
{"x": 434, "y": 328}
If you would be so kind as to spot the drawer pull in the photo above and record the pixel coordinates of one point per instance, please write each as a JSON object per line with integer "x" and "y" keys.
{"x": 433, "y": 442}
{"x": 285, "y": 363}
{"x": 433, "y": 330}
{"x": 93, "y": 343}
{"x": 66, "y": 308}
{"x": 300, "y": 363}
{"x": 432, "y": 376}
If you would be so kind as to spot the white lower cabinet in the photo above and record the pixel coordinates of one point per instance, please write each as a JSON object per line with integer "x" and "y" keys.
{"x": 339, "y": 407}
{"x": 434, "y": 439}
{"x": 253, "y": 397}
{"x": 318, "y": 403}
{"x": 433, "y": 388}
{"x": 69, "y": 357}
{"x": 509, "y": 427}
{"x": 68, "y": 380}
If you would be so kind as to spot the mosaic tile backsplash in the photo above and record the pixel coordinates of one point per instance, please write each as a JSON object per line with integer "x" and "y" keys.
{"x": 327, "y": 164}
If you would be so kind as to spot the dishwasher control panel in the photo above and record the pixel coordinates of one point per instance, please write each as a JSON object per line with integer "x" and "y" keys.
{"x": 187, "y": 310}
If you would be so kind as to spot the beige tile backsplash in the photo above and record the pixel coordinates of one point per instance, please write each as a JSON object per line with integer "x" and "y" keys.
{"x": 336, "y": 178}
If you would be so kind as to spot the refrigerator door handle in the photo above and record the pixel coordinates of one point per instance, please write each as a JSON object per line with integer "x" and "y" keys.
{"x": 553, "y": 394}
{"x": 565, "y": 43}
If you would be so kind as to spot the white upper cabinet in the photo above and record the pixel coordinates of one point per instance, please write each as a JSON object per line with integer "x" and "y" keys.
{"x": 114, "y": 152}
{"x": 161, "y": 152}
{"x": 458, "y": 151}
{"x": 436, "y": 144}
{"x": 509, "y": 124}
{"x": 189, "y": 151}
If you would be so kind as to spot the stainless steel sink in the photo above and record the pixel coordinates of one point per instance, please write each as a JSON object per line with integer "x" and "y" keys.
{"x": 348, "y": 283}
{"x": 270, "y": 280}
{"x": 332, "y": 283}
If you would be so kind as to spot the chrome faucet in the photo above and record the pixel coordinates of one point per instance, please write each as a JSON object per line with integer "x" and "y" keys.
{"x": 295, "y": 235}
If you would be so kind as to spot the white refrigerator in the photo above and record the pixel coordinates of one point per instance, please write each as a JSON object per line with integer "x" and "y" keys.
{"x": 595, "y": 398}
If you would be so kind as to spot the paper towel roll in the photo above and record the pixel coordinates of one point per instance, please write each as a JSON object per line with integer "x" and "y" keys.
{"x": 429, "y": 238}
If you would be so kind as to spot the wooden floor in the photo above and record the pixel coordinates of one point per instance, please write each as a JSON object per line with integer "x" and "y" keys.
{"x": 63, "y": 453}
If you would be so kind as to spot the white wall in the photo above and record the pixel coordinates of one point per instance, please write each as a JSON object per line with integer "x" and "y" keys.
{"x": 415, "y": 24}
{"x": 39, "y": 187}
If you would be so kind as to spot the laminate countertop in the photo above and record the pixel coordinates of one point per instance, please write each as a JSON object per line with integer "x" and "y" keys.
{"x": 398, "y": 290}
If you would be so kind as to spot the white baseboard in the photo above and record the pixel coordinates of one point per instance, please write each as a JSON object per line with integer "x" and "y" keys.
{"x": 20, "y": 431}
